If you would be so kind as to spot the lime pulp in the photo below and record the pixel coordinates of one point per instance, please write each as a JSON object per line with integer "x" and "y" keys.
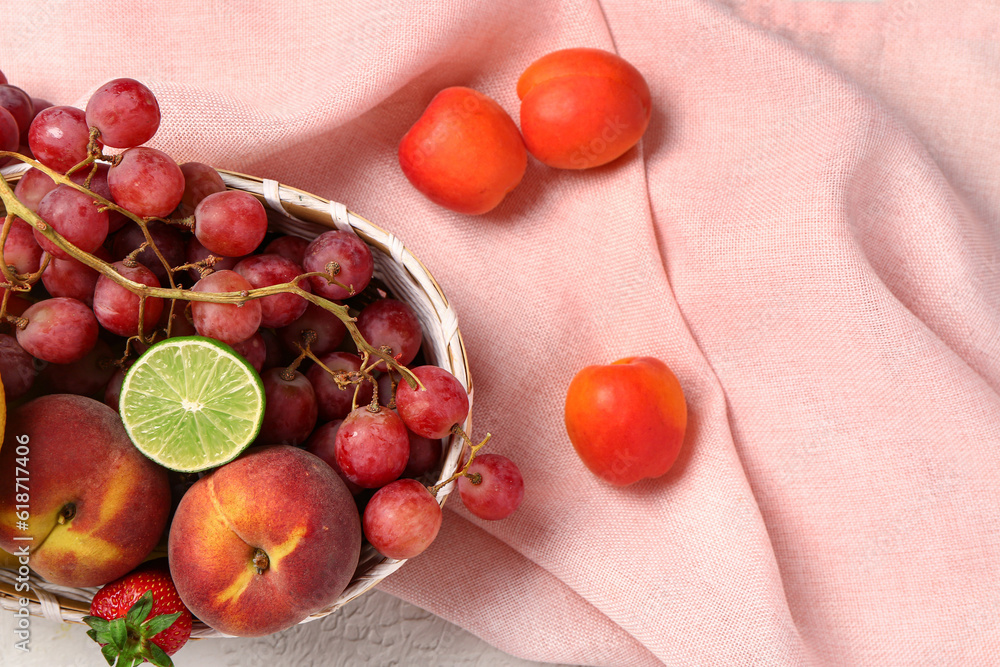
{"x": 191, "y": 403}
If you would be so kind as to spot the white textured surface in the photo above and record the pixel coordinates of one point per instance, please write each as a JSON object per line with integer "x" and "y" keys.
{"x": 375, "y": 629}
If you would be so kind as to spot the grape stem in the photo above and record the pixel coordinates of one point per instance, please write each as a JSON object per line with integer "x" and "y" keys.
{"x": 16, "y": 208}
{"x": 7, "y": 273}
{"x": 392, "y": 389}
{"x": 202, "y": 266}
{"x": 17, "y": 281}
{"x": 463, "y": 472}
{"x": 142, "y": 315}
{"x": 308, "y": 337}
{"x": 94, "y": 153}
{"x": 3, "y": 304}
{"x": 344, "y": 379}
{"x": 366, "y": 373}
{"x": 170, "y": 317}
{"x": 14, "y": 281}
{"x": 187, "y": 222}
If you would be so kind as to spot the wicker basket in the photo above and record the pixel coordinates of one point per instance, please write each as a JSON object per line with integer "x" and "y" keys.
{"x": 302, "y": 214}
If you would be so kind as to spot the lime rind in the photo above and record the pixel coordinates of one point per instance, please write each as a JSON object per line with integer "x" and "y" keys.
{"x": 192, "y": 403}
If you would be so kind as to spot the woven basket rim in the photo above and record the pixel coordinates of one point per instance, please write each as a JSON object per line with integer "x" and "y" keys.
{"x": 301, "y": 213}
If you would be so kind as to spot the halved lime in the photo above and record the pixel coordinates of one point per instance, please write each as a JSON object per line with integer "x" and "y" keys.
{"x": 192, "y": 403}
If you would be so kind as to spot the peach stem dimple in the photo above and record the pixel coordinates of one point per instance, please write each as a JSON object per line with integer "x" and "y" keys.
{"x": 66, "y": 513}
{"x": 260, "y": 560}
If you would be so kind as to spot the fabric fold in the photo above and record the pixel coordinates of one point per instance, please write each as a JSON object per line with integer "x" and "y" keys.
{"x": 808, "y": 235}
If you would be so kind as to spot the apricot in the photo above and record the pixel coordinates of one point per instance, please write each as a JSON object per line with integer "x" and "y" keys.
{"x": 582, "y": 108}
{"x": 626, "y": 420}
{"x": 464, "y": 153}
{"x": 261, "y": 543}
{"x": 95, "y": 505}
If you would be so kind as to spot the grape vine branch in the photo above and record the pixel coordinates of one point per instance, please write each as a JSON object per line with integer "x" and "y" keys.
{"x": 15, "y": 208}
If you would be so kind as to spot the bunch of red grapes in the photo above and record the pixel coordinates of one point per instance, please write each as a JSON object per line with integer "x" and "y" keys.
{"x": 76, "y": 330}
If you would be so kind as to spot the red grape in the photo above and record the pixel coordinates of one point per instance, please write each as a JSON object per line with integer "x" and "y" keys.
{"x": 254, "y": 350}
{"x": 391, "y": 323}
{"x": 17, "y": 368}
{"x": 117, "y": 308}
{"x": 196, "y": 252}
{"x": 169, "y": 240}
{"x": 146, "y": 182}
{"x": 3, "y": 78}
{"x": 349, "y": 252}
{"x": 231, "y": 223}
{"x": 39, "y": 104}
{"x": 59, "y": 330}
{"x": 8, "y": 131}
{"x": 16, "y": 304}
{"x": 276, "y": 354}
{"x": 384, "y": 382}
{"x": 18, "y": 103}
{"x": 113, "y": 390}
{"x": 73, "y": 215}
{"x": 432, "y": 411}
{"x": 34, "y": 185}
{"x": 125, "y": 111}
{"x": 323, "y": 443}
{"x": 86, "y": 376}
{"x": 425, "y": 454}
{"x": 499, "y": 491}
{"x": 289, "y": 408}
{"x": 99, "y": 185}
{"x": 182, "y": 324}
{"x": 277, "y": 310}
{"x": 327, "y": 326}
{"x": 200, "y": 180}
{"x": 402, "y": 519}
{"x": 372, "y": 447}
{"x": 59, "y": 137}
{"x": 227, "y": 322}
{"x": 20, "y": 250}
{"x": 71, "y": 278}
{"x": 334, "y": 402}
{"x": 289, "y": 247}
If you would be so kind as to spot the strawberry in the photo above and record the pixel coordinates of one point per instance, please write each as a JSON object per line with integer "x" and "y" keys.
{"x": 139, "y": 617}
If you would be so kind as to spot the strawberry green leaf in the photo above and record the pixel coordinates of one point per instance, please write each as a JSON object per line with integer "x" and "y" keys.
{"x": 138, "y": 612}
{"x": 100, "y": 629}
{"x": 158, "y": 624}
{"x": 119, "y": 633}
{"x": 103, "y": 638}
{"x": 127, "y": 657}
{"x": 110, "y": 653}
{"x": 159, "y": 657}
{"x": 96, "y": 622}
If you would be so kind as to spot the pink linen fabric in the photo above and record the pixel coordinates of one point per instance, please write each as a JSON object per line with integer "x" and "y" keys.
{"x": 808, "y": 234}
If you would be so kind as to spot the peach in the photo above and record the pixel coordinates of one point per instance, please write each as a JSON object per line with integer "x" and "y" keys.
{"x": 262, "y": 542}
{"x": 582, "y": 108}
{"x": 464, "y": 152}
{"x": 10, "y": 561}
{"x": 92, "y": 505}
